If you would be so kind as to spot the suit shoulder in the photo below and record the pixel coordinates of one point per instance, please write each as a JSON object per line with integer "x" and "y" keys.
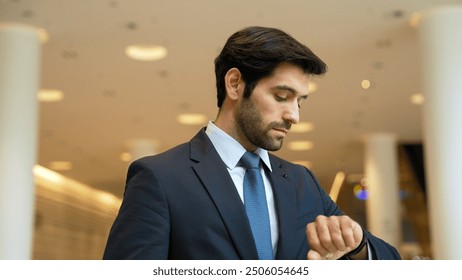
{"x": 197, "y": 147}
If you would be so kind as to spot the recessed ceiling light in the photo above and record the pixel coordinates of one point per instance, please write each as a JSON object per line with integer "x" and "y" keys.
{"x": 191, "y": 119}
{"x": 300, "y": 145}
{"x": 61, "y": 165}
{"x": 302, "y": 127}
{"x": 417, "y": 99}
{"x": 312, "y": 87}
{"x": 366, "y": 84}
{"x": 146, "y": 52}
{"x": 140, "y": 147}
{"x": 414, "y": 20}
{"x": 125, "y": 157}
{"x": 43, "y": 35}
{"x": 50, "y": 95}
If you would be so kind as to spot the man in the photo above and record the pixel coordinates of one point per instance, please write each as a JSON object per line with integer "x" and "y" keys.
{"x": 193, "y": 201}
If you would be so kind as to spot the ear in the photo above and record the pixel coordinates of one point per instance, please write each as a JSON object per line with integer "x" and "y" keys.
{"x": 234, "y": 83}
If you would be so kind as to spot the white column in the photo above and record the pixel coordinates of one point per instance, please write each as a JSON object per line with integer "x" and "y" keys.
{"x": 19, "y": 78}
{"x": 141, "y": 147}
{"x": 382, "y": 204}
{"x": 441, "y": 47}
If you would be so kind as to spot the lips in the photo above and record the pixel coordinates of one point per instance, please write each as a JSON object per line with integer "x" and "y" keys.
{"x": 282, "y": 127}
{"x": 283, "y": 130}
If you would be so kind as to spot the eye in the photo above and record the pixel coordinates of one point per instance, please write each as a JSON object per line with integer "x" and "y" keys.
{"x": 280, "y": 97}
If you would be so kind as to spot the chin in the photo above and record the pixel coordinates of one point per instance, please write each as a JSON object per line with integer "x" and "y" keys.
{"x": 274, "y": 146}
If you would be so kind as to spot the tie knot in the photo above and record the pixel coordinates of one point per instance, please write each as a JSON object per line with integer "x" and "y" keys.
{"x": 250, "y": 160}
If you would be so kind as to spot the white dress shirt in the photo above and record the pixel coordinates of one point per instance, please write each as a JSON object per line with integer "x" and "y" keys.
{"x": 231, "y": 151}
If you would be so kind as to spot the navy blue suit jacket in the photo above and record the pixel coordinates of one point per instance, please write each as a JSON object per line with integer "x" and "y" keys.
{"x": 182, "y": 204}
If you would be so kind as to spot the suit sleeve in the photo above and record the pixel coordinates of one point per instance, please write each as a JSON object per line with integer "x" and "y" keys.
{"x": 141, "y": 228}
{"x": 330, "y": 207}
{"x": 381, "y": 250}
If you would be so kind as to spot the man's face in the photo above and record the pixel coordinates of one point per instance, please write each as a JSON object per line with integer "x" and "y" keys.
{"x": 264, "y": 119}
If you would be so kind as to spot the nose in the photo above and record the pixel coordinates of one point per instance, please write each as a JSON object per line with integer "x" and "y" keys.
{"x": 291, "y": 114}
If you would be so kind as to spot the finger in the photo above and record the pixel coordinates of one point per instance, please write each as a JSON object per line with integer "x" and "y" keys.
{"x": 330, "y": 233}
{"x": 357, "y": 233}
{"x": 336, "y": 233}
{"x": 347, "y": 228}
{"x": 313, "y": 239}
{"x": 313, "y": 255}
{"x": 352, "y": 233}
{"x": 323, "y": 228}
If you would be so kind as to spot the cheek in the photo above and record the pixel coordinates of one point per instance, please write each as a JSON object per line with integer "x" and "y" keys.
{"x": 267, "y": 106}
{"x": 270, "y": 113}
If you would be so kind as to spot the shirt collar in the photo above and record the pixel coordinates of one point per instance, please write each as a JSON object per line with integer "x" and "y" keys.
{"x": 229, "y": 149}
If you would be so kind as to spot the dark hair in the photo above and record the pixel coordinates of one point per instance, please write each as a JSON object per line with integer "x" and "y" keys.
{"x": 256, "y": 51}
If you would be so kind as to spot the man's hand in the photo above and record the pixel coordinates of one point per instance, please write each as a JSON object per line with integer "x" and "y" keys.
{"x": 332, "y": 237}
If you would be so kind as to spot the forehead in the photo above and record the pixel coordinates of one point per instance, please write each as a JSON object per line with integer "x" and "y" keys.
{"x": 288, "y": 75}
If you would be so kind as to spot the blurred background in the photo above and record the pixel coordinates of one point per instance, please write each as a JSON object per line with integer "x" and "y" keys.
{"x": 104, "y": 102}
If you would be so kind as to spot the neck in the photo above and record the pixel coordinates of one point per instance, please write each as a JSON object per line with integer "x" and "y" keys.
{"x": 226, "y": 122}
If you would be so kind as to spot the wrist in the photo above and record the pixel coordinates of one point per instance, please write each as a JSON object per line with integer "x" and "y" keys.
{"x": 357, "y": 250}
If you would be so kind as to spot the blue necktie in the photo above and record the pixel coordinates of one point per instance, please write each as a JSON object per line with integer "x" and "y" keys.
{"x": 255, "y": 205}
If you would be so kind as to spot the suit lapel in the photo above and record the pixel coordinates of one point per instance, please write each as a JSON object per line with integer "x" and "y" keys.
{"x": 216, "y": 179}
{"x": 285, "y": 197}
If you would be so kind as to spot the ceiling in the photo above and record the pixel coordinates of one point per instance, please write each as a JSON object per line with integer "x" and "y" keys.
{"x": 110, "y": 99}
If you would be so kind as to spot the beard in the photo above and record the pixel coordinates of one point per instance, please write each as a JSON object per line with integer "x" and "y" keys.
{"x": 250, "y": 124}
